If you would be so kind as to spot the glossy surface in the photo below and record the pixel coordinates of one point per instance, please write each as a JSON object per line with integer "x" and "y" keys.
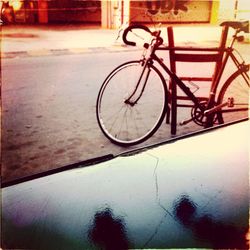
{"x": 192, "y": 193}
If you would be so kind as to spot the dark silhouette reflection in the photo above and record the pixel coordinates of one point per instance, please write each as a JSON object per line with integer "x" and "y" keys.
{"x": 108, "y": 232}
{"x": 184, "y": 210}
{"x": 205, "y": 228}
{"x": 219, "y": 234}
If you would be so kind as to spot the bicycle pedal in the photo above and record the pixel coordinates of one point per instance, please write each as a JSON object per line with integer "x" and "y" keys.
{"x": 230, "y": 102}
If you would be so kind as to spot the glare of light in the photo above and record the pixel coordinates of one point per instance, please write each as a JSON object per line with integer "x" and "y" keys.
{"x": 248, "y": 235}
{"x": 16, "y": 4}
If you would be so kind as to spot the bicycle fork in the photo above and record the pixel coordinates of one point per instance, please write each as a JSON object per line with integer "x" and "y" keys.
{"x": 129, "y": 99}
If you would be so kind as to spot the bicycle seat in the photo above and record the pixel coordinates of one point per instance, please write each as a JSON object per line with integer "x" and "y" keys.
{"x": 241, "y": 25}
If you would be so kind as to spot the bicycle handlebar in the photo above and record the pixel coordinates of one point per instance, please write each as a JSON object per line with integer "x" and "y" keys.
{"x": 130, "y": 28}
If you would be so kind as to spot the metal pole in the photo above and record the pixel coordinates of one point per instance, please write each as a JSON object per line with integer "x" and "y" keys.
{"x": 235, "y": 9}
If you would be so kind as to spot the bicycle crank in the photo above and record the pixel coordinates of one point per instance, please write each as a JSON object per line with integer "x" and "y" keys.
{"x": 199, "y": 115}
{"x": 229, "y": 103}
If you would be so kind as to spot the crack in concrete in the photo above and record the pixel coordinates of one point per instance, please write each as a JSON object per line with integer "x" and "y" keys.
{"x": 155, "y": 232}
{"x": 211, "y": 199}
{"x": 158, "y": 202}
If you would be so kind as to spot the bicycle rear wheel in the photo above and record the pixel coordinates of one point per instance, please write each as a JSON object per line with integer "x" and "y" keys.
{"x": 126, "y": 123}
{"x": 235, "y": 91}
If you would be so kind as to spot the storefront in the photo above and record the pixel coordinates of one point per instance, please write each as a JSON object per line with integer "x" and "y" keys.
{"x": 51, "y": 11}
{"x": 17, "y": 11}
{"x": 114, "y": 13}
{"x": 71, "y": 11}
{"x": 170, "y": 11}
{"x": 117, "y": 13}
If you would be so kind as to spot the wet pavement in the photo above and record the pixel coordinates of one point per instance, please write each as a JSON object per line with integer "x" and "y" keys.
{"x": 188, "y": 193}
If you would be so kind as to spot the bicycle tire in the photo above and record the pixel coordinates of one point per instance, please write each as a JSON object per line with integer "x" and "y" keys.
{"x": 124, "y": 124}
{"x": 235, "y": 87}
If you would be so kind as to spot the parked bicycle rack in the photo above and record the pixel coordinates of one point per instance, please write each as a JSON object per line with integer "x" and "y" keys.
{"x": 192, "y": 55}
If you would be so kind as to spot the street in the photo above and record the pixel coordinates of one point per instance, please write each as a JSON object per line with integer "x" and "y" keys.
{"x": 48, "y": 112}
{"x": 71, "y": 93}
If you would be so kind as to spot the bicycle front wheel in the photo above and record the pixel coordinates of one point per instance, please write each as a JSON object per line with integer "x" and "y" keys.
{"x": 131, "y": 103}
{"x": 235, "y": 92}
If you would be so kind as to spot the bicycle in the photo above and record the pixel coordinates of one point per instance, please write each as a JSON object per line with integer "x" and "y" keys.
{"x": 134, "y": 98}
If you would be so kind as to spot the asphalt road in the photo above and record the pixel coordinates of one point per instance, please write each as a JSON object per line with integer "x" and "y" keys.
{"x": 48, "y": 112}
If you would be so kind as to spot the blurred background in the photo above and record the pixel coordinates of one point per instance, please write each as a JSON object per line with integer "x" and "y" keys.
{"x": 112, "y": 14}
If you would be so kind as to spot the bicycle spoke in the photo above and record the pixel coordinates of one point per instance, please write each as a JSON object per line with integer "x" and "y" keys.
{"x": 124, "y": 122}
{"x": 134, "y": 121}
{"x": 236, "y": 89}
{"x": 116, "y": 119}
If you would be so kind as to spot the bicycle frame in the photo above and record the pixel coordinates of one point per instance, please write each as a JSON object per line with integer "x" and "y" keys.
{"x": 139, "y": 81}
{"x": 227, "y": 53}
{"x": 242, "y": 68}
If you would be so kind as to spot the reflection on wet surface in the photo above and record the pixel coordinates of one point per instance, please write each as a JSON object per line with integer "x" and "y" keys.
{"x": 179, "y": 195}
{"x": 108, "y": 232}
{"x": 184, "y": 210}
{"x": 207, "y": 229}
{"x": 218, "y": 234}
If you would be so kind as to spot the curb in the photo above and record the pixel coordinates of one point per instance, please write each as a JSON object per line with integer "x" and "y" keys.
{"x": 72, "y": 51}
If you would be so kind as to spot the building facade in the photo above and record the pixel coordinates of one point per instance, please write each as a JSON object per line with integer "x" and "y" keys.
{"x": 114, "y": 13}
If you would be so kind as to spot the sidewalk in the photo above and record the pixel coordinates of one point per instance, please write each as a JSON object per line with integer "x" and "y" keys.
{"x": 24, "y": 40}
